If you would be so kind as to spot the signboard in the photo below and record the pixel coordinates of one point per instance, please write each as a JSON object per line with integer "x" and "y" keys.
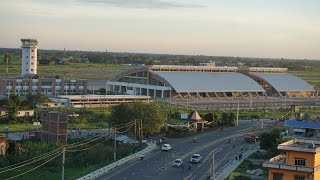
{"x": 36, "y": 123}
{"x": 184, "y": 116}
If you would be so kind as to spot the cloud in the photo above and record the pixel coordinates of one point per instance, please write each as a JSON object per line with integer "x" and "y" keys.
{"x": 144, "y": 4}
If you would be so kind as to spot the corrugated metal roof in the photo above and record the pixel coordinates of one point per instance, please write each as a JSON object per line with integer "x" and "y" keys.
{"x": 210, "y": 82}
{"x": 302, "y": 124}
{"x": 285, "y": 82}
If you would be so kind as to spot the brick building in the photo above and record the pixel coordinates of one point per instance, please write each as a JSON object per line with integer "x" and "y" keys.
{"x": 54, "y": 126}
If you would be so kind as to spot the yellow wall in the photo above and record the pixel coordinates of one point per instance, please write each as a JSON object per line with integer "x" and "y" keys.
{"x": 317, "y": 175}
{"x": 289, "y": 175}
{"x": 291, "y": 155}
{"x": 317, "y": 159}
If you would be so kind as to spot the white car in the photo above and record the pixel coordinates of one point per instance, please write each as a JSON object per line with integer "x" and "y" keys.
{"x": 166, "y": 147}
{"x": 177, "y": 163}
{"x": 195, "y": 158}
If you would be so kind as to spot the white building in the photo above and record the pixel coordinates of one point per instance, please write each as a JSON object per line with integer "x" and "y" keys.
{"x": 29, "y": 56}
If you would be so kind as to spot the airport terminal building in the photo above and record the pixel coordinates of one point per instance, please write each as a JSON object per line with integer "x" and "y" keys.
{"x": 209, "y": 81}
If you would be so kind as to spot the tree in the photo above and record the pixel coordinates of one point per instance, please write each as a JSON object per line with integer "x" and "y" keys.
{"x": 231, "y": 119}
{"x": 270, "y": 141}
{"x": 150, "y": 114}
{"x": 102, "y": 91}
{"x": 225, "y": 117}
{"x": 217, "y": 118}
{"x": 208, "y": 117}
{"x": 32, "y": 100}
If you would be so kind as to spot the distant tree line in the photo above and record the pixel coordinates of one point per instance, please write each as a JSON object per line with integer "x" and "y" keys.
{"x": 53, "y": 56}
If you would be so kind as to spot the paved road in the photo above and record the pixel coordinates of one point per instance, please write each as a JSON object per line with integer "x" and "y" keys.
{"x": 247, "y": 103}
{"x": 158, "y": 164}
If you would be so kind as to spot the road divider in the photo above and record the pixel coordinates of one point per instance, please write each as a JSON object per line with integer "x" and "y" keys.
{"x": 98, "y": 173}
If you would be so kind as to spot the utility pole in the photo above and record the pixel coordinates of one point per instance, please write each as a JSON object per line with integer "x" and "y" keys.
{"x": 141, "y": 136}
{"x": 238, "y": 113}
{"x": 135, "y": 133}
{"x": 115, "y": 145}
{"x": 63, "y": 161}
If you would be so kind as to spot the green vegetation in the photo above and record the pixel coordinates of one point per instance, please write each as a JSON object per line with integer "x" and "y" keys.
{"x": 14, "y": 103}
{"x": 77, "y": 163}
{"x": 150, "y": 114}
{"x": 240, "y": 173}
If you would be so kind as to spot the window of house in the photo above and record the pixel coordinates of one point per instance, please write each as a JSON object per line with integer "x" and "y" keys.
{"x": 299, "y": 162}
{"x": 32, "y": 63}
{"x": 299, "y": 177}
{"x": 26, "y": 69}
{"x": 32, "y": 57}
{"x": 31, "y": 69}
{"x": 32, "y": 50}
{"x": 27, "y": 56}
{"x": 277, "y": 176}
{"x": 27, "y": 63}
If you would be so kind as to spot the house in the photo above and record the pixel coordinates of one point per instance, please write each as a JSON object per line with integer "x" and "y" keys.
{"x": 300, "y": 161}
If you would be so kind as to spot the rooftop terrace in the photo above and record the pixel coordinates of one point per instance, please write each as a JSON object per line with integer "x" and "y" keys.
{"x": 301, "y": 145}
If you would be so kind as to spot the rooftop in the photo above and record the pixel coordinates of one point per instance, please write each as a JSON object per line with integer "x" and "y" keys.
{"x": 210, "y": 81}
{"x": 279, "y": 162}
{"x": 282, "y": 82}
{"x": 302, "y": 124}
{"x": 31, "y": 40}
{"x": 301, "y": 145}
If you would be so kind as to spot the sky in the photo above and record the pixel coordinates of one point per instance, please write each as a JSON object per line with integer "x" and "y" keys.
{"x": 242, "y": 28}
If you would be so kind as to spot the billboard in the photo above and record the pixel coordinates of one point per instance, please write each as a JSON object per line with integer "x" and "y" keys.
{"x": 184, "y": 116}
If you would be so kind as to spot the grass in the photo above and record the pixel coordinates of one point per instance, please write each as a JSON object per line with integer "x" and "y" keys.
{"x": 76, "y": 164}
{"x": 240, "y": 172}
{"x": 71, "y": 70}
{"x": 19, "y": 127}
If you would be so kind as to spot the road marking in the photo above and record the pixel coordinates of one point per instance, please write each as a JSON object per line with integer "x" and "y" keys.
{"x": 118, "y": 171}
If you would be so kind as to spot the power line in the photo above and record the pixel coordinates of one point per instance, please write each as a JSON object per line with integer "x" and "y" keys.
{"x": 46, "y": 154}
{"x": 78, "y": 150}
{"x": 35, "y": 167}
{"x": 31, "y": 162}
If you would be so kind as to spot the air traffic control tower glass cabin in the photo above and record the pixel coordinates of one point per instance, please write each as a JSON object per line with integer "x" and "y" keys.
{"x": 29, "y": 56}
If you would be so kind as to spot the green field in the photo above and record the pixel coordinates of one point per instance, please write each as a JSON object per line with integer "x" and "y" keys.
{"x": 71, "y": 70}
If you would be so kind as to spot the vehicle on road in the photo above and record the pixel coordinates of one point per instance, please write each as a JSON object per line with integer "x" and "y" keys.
{"x": 250, "y": 138}
{"x": 195, "y": 158}
{"x": 166, "y": 147}
{"x": 177, "y": 163}
{"x": 162, "y": 140}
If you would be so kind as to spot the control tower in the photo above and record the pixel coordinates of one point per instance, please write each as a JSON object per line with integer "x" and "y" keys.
{"x": 29, "y": 56}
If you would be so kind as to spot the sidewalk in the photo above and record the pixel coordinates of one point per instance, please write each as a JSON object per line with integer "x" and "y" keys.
{"x": 224, "y": 172}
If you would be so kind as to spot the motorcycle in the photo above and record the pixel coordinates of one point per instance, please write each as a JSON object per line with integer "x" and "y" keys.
{"x": 189, "y": 167}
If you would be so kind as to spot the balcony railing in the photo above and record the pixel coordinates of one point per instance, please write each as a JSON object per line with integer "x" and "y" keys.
{"x": 279, "y": 162}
